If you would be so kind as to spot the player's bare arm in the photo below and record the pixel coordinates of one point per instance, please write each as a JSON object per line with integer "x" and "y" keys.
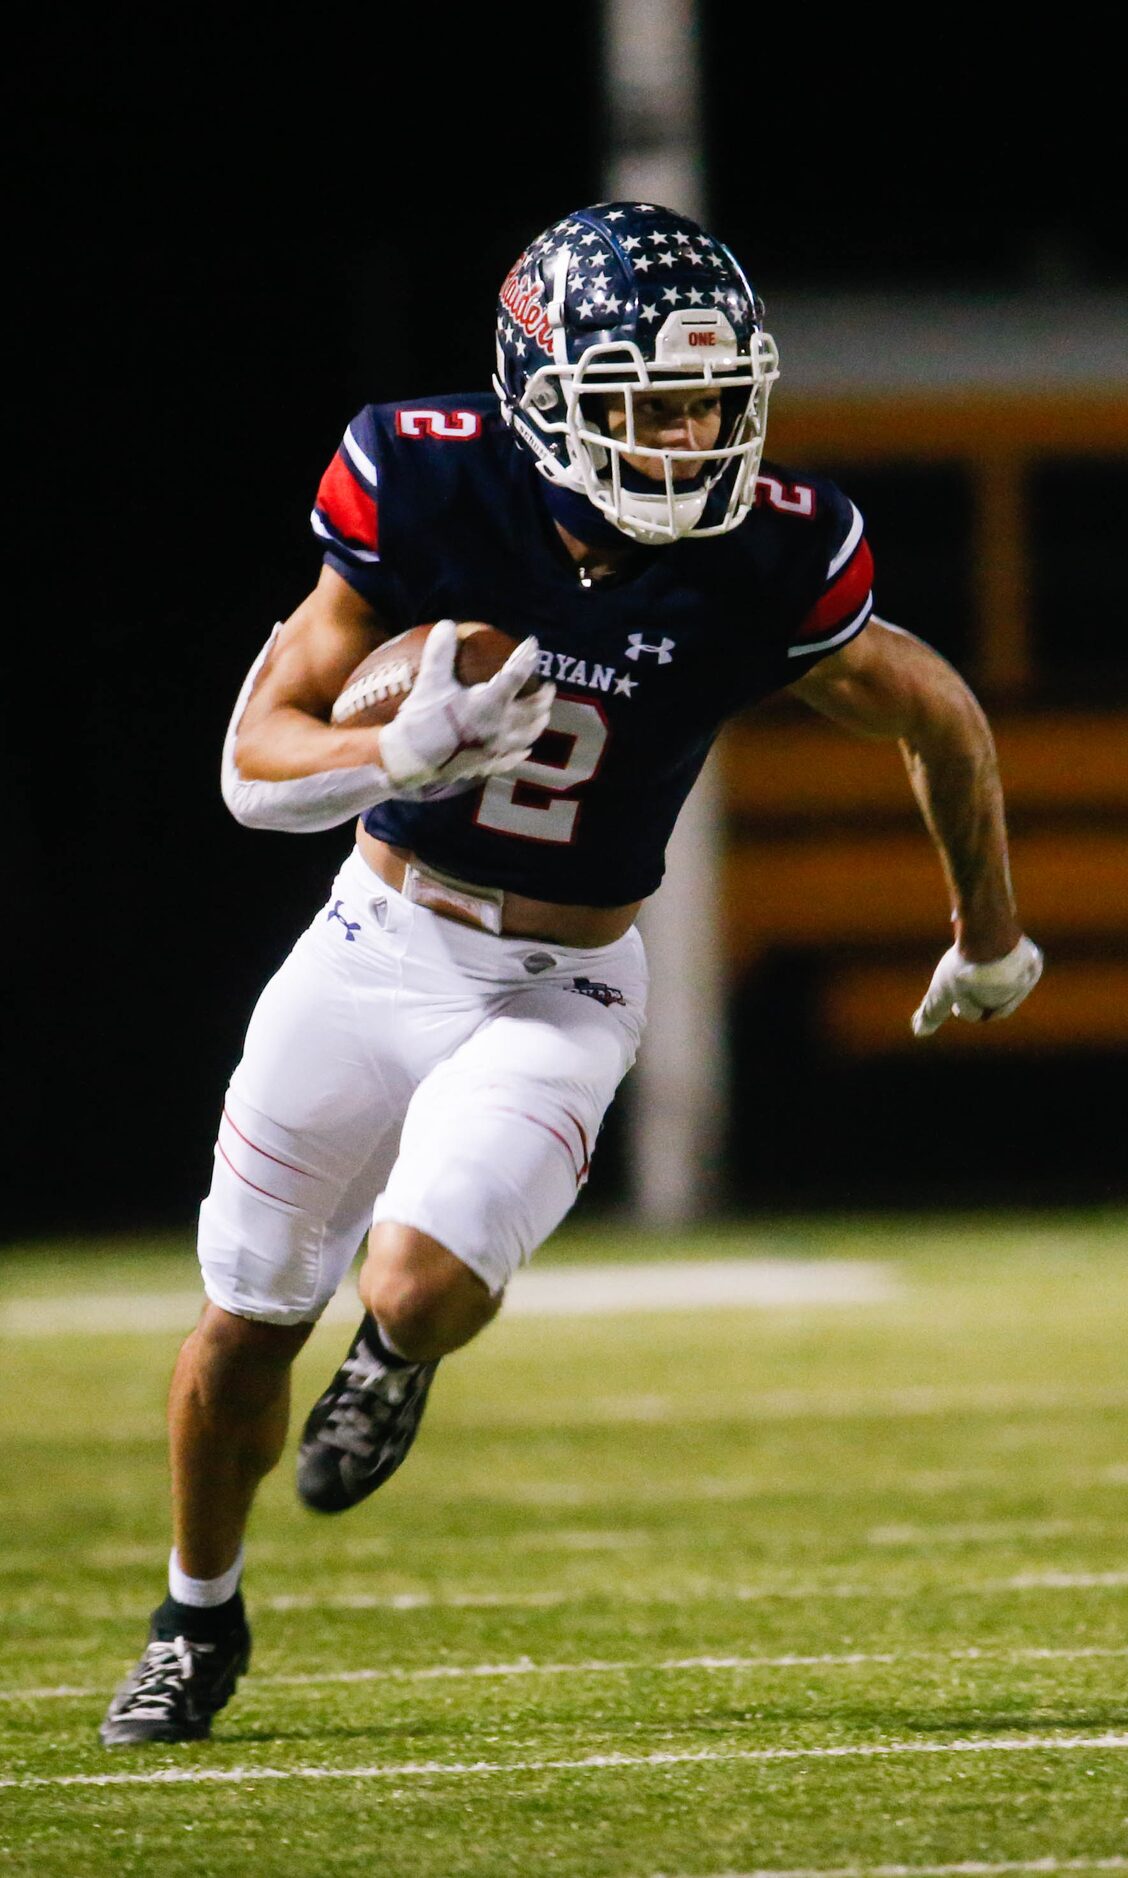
{"x": 287, "y": 765}
{"x": 888, "y": 684}
{"x": 285, "y": 730}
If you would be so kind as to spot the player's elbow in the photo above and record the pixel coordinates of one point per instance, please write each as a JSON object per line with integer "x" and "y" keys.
{"x": 242, "y": 792}
{"x": 243, "y": 800}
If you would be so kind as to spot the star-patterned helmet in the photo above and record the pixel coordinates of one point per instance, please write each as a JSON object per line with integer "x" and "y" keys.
{"x": 626, "y": 298}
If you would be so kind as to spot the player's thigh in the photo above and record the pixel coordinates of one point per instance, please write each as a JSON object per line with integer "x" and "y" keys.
{"x": 498, "y": 1139}
{"x": 308, "y": 1133}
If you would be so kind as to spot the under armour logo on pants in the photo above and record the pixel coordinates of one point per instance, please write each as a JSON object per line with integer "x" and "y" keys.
{"x": 351, "y": 926}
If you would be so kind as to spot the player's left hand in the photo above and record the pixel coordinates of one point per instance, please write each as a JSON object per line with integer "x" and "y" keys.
{"x": 962, "y": 988}
{"x": 446, "y": 731}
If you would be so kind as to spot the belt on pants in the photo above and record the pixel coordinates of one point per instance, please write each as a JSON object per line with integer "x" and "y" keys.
{"x": 466, "y": 901}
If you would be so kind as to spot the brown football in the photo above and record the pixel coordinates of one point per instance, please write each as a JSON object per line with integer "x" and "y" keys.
{"x": 373, "y": 693}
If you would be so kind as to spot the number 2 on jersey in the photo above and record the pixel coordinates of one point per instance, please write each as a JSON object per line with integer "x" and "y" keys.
{"x": 581, "y": 727}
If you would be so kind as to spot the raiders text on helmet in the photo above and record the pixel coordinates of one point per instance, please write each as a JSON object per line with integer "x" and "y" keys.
{"x": 622, "y": 298}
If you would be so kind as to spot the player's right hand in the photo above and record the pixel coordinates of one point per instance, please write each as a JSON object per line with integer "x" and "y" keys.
{"x": 445, "y": 731}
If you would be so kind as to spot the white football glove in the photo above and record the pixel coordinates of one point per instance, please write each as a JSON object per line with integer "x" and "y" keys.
{"x": 445, "y": 731}
{"x": 960, "y": 988}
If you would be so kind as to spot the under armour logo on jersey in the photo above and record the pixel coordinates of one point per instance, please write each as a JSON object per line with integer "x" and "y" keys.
{"x": 663, "y": 653}
{"x": 351, "y": 926}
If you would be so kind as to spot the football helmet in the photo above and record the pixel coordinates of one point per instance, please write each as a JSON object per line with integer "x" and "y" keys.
{"x": 625, "y": 298}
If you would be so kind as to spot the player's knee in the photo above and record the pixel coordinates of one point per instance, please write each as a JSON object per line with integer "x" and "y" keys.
{"x": 239, "y": 1365}
{"x": 422, "y": 1296}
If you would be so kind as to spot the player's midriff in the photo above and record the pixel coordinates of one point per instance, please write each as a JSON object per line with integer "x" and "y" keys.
{"x": 522, "y": 918}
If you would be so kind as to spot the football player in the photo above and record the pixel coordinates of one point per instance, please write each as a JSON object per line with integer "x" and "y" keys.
{"x": 432, "y": 1063}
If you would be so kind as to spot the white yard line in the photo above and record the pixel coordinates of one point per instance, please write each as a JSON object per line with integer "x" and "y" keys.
{"x": 989, "y": 1532}
{"x": 695, "y": 1591}
{"x": 362, "y": 1551}
{"x": 699, "y": 1284}
{"x": 922, "y": 1483}
{"x": 591, "y": 1763}
{"x": 564, "y": 1291}
{"x": 420, "y": 1601}
{"x": 692, "y": 1593}
{"x": 1068, "y": 1581}
{"x": 919, "y": 1400}
{"x": 707, "y": 1665}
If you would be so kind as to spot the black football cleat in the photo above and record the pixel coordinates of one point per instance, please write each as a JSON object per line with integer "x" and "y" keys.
{"x": 359, "y": 1431}
{"x": 178, "y": 1685}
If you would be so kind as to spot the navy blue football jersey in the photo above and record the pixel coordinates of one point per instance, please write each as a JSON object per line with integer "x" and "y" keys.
{"x": 431, "y": 511}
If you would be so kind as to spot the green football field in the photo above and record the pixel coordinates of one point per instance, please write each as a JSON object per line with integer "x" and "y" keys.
{"x": 822, "y": 1567}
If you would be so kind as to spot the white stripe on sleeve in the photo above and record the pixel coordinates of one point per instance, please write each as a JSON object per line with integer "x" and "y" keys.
{"x": 838, "y": 638}
{"x": 363, "y": 463}
{"x": 346, "y": 547}
{"x": 848, "y": 546}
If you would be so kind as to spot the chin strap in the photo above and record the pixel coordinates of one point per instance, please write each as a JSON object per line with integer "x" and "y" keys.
{"x": 580, "y": 517}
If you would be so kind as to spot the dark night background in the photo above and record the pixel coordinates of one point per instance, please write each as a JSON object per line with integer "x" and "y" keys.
{"x": 229, "y": 238}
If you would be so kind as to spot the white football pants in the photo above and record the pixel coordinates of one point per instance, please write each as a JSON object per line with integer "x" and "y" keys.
{"x": 402, "y": 1067}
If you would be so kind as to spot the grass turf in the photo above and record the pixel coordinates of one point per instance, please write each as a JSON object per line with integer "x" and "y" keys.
{"x": 686, "y": 1594}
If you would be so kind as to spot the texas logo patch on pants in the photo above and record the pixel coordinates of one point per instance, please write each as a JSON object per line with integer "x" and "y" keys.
{"x": 604, "y": 994}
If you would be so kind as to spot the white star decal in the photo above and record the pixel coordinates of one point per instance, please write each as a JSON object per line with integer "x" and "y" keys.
{"x": 671, "y": 294}
{"x": 584, "y": 309}
{"x": 599, "y": 280}
{"x": 589, "y": 237}
{"x": 681, "y": 238}
{"x": 612, "y": 304}
{"x": 520, "y": 348}
{"x": 615, "y": 215}
{"x": 597, "y": 260}
{"x": 695, "y": 298}
{"x": 669, "y": 259}
{"x": 642, "y": 265}
{"x": 624, "y": 686}
{"x": 630, "y": 242}
{"x": 649, "y": 313}
{"x": 657, "y": 238}
{"x": 716, "y": 260}
{"x": 719, "y": 295}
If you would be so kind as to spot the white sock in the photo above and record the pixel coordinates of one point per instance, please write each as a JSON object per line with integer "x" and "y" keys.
{"x": 203, "y": 1592}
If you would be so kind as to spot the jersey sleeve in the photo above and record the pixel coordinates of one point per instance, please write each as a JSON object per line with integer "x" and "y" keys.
{"x": 346, "y": 513}
{"x": 845, "y": 601}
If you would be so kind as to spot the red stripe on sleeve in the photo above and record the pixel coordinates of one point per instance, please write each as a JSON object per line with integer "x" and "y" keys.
{"x": 844, "y": 597}
{"x": 349, "y": 509}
